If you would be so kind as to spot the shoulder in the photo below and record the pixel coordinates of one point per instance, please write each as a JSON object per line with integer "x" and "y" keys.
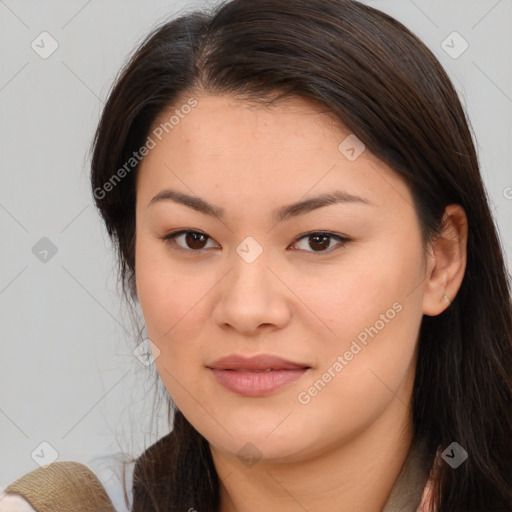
{"x": 71, "y": 484}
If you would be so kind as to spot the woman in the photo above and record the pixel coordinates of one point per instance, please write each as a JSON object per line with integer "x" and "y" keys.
{"x": 297, "y": 206}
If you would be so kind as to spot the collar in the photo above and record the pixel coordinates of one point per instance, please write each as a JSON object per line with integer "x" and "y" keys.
{"x": 411, "y": 484}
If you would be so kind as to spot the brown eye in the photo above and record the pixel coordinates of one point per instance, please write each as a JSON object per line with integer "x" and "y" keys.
{"x": 188, "y": 240}
{"x": 195, "y": 240}
{"x": 321, "y": 242}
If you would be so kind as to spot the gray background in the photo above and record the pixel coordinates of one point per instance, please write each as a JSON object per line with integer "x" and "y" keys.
{"x": 68, "y": 375}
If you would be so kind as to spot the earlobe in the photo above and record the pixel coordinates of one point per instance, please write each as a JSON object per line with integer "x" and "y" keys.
{"x": 447, "y": 262}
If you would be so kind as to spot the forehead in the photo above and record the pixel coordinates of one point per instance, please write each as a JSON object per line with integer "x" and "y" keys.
{"x": 293, "y": 146}
{"x": 222, "y": 120}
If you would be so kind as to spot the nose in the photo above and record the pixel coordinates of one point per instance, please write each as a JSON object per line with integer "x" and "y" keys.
{"x": 252, "y": 298}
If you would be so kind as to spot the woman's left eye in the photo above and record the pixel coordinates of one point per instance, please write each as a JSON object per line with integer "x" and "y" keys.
{"x": 321, "y": 240}
{"x": 195, "y": 241}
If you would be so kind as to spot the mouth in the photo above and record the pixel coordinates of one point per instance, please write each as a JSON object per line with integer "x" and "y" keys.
{"x": 256, "y": 376}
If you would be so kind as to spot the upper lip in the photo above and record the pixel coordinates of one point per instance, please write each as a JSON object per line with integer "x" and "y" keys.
{"x": 259, "y": 362}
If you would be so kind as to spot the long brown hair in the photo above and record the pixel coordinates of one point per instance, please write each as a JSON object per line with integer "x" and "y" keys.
{"x": 384, "y": 84}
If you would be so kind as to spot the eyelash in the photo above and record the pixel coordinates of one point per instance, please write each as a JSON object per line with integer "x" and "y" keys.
{"x": 170, "y": 238}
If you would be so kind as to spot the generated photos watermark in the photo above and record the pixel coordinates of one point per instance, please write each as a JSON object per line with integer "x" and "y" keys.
{"x": 305, "y": 397}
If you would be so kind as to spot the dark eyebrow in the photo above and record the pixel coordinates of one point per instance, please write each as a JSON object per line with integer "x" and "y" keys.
{"x": 281, "y": 214}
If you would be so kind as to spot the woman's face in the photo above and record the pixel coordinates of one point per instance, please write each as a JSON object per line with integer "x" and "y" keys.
{"x": 256, "y": 278}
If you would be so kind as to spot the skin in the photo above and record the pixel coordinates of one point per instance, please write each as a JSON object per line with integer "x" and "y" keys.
{"x": 343, "y": 450}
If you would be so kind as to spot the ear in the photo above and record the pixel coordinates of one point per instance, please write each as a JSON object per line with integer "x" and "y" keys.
{"x": 446, "y": 262}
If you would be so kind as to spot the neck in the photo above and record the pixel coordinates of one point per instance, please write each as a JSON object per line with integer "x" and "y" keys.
{"x": 358, "y": 474}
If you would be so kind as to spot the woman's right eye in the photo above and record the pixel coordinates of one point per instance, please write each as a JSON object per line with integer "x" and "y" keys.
{"x": 191, "y": 241}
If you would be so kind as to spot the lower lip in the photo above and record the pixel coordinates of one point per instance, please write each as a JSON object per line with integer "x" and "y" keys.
{"x": 256, "y": 383}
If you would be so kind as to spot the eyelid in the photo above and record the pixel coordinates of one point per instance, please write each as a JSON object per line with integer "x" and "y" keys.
{"x": 342, "y": 240}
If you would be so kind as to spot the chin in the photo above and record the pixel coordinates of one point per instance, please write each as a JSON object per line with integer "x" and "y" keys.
{"x": 252, "y": 441}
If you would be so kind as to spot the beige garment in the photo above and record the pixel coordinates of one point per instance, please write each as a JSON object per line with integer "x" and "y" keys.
{"x": 62, "y": 487}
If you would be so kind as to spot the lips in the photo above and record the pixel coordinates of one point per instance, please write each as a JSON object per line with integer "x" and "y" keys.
{"x": 256, "y": 376}
{"x": 259, "y": 363}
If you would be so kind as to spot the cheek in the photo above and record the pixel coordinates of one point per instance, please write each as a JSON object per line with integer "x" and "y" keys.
{"x": 372, "y": 368}
{"x": 351, "y": 296}
{"x": 156, "y": 289}
{"x": 171, "y": 297}
{"x": 170, "y": 304}
{"x": 371, "y": 320}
